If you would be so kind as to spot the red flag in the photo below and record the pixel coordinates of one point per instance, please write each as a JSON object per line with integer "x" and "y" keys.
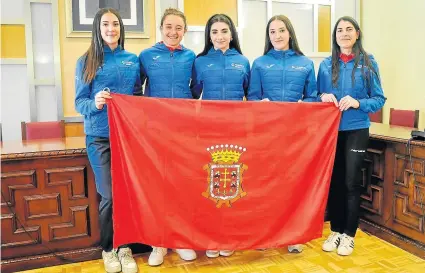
{"x": 219, "y": 174}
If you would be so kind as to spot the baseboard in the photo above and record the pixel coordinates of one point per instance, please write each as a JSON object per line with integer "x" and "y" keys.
{"x": 45, "y": 260}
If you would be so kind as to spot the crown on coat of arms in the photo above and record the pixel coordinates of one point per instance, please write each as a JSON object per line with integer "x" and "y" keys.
{"x": 226, "y": 153}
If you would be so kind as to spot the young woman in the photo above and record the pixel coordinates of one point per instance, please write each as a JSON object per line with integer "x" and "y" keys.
{"x": 167, "y": 67}
{"x": 283, "y": 73}
{"x": 105, "y": 68}
{"x": 221, "y": 72}
{"x": 350, "y": 79}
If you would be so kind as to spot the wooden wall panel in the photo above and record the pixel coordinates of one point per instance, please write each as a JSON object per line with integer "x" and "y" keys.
{"x": 389, "y": 181}
{"x": 408, "y": 202}
{"x": 372, "y": 197}
{"x": 55, "y": 200}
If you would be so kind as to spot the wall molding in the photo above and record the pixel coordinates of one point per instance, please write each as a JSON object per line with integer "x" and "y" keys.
{"x": 17, "y": 21}
{"x": 13, "y": 61}
{"x": 75, "y": 119}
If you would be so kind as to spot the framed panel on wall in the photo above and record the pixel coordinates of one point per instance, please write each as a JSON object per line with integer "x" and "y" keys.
{"x": 80, "y": 15}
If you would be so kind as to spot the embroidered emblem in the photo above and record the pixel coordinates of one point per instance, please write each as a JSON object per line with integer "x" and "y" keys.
{"x": 129, "y": 63}
{"x": 269, "y": 66}
{"x": 237, "y": 65}
{"x": 224, "y": 175}
{"x": 209, "y": 65}
{"x": 299, "y": 68}
{"x": 156, "y": 57}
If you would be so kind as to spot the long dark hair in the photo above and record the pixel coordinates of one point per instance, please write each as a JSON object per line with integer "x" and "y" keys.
{"x": 358, "y": 51}
{"x": 94, "y": 55}
{"x": 234, "y": 43}
{"x": 293, "y": 42}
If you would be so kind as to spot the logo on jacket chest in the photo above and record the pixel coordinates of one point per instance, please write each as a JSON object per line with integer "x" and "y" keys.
{"x": 269, "y": 66}
{"x": 238, "y": 66}
{"x": 127, "y": 63}
{"x": 299, "y": 68}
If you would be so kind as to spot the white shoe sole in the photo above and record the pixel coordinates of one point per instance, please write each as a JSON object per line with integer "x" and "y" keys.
{"x": 226, "y": 254}
{"x": 186, "y": 258}
{"x": 155, "y": 264}
{"x": 150, "y": 263}
{"x": 328, "y": 250}
{"x": 113, "y": 270}
{"x": 344, "y": 254}
{"x": 212, "y": 255}
{"x": 130, "y": 270}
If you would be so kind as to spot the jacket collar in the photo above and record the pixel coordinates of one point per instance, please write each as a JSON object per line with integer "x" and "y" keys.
{"x": 107, "y": 49}
{"x": 346, "y": 58}
{"x": 280, "y": 54}
{"x": 230, "y": 51}
{"x": 162, "y": 46}
{"x": 352, "y": 60}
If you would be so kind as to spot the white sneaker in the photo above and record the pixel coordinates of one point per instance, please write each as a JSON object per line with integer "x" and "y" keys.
{"x": 333, "y": 241}
{"x": 346, "y": 246}
{"x": 226, "y": 253}
{"x": 128, "y": 264}
{"x": 212, "y": 253}
{"x": 186, "y": 254}
{"x": 295, "y": 248}
{"x": 111, "y": 262}
{"x": 157, "y": 256}
{"x": 216, "y": 253}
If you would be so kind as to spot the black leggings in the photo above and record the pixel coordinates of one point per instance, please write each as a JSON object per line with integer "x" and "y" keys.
{"x": 344, "y": 195}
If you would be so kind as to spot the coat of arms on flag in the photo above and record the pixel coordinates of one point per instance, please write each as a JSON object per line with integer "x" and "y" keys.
{"x": 224, "y": 174}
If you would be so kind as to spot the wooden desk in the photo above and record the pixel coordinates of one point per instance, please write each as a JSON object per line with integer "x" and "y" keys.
{"x": 393, "y": 202}
{"x": 49, "y": 186}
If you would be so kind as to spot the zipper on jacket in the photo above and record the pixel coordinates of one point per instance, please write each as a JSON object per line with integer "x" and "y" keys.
{"x": 172, "y": 73}
{"x": 118, "y": 70}
{"x": 343, "y": 81}
{"x": 283, "y": 76}
{"x": 224, "y": 68}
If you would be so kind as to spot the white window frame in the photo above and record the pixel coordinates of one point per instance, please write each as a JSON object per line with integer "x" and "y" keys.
{"x": 56, "y": 82}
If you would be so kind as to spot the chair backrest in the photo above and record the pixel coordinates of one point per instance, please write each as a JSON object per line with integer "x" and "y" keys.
{"x": 407, "y": 118}
{"x": 42, "y": 130}
{"x": 376, "y": 117}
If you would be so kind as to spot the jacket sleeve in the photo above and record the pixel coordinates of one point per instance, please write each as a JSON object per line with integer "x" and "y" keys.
{"x": 246, "y": 78}
{"x": 255, "y": 90}
{"x": 83, "y": 104}
{"x": 310, "y": 87}
{"x": 323, "y": 82}
{"x": 143, "y": 75}
{"x": 376, "y": 98}
{"x": 138, "y": 86}
{"x": 196, "y": 83}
